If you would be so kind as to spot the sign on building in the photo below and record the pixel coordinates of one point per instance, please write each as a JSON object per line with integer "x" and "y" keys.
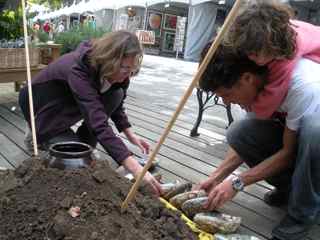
{"x": 146, "y": 37}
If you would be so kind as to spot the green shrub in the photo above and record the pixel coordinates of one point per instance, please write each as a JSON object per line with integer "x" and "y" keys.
{"x": 71, "y": 39}
{"x": 42, "y": 36}
{"x": 11, "y": 25}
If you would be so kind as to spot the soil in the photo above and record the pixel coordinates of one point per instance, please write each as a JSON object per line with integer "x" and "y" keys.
{"x": 34, "y": 204}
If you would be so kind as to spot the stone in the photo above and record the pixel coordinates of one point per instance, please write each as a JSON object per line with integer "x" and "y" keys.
{"x": 177, "y": 189}
{"x": 194, "y": 206}
{"x": 219, "y": 236}
{"x": 179, "y": 199}
{"x": 217, "y": 222}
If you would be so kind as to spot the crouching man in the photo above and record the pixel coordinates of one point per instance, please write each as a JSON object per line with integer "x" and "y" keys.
{"x": 283, "y": 150}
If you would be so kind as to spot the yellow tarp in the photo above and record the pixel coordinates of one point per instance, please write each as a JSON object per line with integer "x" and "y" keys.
{"x": 201, "y": 234}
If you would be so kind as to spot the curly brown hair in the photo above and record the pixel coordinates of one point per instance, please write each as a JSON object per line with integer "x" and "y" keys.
{"x": 264, "y": 27}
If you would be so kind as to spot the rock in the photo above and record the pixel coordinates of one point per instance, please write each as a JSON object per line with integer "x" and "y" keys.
{"x": 100, "y": 176}
{"x": 219, "y": 236}
{"x": 217, "y": 222}
{"x": 60, "y": 226}
{"x": 8, "y": 181}
{"x": 167, "y": 187}
{"x": 177, "y": 189}
{"x": 4, "y": 201}
{"x": 94, "y": 235}
{"x": 66, "y": 202}
{"x": 22, "y": 170}
{"x": 194, "y": 206}
{"x": 179, "y": 199}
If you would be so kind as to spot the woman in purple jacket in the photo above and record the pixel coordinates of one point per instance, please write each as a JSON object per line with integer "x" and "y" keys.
{"x": 89, "y": 84}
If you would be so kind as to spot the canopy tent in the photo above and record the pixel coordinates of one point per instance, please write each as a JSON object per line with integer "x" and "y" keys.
{"x": 96, "y": 5}
{"x": 201, "y": 19}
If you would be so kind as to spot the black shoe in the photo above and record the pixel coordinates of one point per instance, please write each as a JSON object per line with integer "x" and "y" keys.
{"x": 276, "y": 197}
{"x": 291, "y": 229}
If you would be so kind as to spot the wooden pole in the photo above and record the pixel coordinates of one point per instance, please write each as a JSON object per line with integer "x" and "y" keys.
{"x": 25, "y": 31}
{"x": 183, "y": 101}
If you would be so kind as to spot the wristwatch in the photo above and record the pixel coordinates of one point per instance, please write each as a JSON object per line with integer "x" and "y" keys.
{"x": 237, "y": 184}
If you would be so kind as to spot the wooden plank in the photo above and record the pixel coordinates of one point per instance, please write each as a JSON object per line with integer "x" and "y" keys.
{"x": 4, "y": 164}
{"x": 188, "y": 175}
{"x": 187, "y": 115}
{"x": 182, "y": 121}
{"x": 205, "y": 170}
{"x": 16, "y": 135}
{"x": 12, "y": 153}
{"x": 168, "y": 168}
{"x": 257, "y": 216}
{"x": 180, "y": 133}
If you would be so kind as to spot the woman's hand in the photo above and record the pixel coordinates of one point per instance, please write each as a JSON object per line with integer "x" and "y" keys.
{"x": 153, "y": 183}
{"x": 207, "y": 185}
{"x": 143, "y": 145}
{"x": 134, "y": 139}
{"x": 135, "y": 168}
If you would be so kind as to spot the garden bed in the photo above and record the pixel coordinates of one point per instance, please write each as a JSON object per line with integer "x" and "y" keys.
{"x": 35, "y": 203}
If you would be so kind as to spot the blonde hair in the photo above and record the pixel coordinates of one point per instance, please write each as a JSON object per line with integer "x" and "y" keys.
{"x": 108, "y": 51}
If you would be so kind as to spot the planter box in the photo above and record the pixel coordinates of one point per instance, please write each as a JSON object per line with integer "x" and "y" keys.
{"x": 15, "y": 57}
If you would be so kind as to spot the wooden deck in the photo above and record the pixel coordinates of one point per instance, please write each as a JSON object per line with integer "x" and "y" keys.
{"x": 181, "y": 157}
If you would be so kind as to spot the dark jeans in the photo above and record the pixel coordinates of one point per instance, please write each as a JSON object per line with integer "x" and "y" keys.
{"x": 255, "y": 140}
{"x": 44, "y": 93}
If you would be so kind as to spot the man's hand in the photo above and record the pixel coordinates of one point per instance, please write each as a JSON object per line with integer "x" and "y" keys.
{"x": 206, "y": 185}
{"x": 220, "y": 194}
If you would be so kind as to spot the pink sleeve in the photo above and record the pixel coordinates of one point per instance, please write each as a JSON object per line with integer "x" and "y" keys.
{"x": 280, "y": 72}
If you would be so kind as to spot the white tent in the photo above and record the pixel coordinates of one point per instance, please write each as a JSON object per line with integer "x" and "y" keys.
{"x": 201, "y": 19}
{"x": 96, "y": 5}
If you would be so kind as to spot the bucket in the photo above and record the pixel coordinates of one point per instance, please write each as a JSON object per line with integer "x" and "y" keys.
{"x": 70, "y": 155}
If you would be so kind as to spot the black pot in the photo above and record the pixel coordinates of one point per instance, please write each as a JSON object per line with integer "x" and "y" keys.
{"x": 70, "y": 155}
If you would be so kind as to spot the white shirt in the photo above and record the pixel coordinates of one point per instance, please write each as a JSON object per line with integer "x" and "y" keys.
{"x": 303, "y": 96}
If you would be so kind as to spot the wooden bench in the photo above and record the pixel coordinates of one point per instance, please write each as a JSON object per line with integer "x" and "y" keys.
{"x": 204, "y": 103}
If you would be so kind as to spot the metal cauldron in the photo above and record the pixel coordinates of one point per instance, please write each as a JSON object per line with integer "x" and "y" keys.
{"x": 70, "y": 155}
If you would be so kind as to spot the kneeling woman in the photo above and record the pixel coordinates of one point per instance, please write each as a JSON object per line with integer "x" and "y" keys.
{"x": 89, "y": 84}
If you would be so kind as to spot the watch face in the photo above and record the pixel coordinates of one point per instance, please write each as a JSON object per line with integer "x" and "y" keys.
{"x": 237, "y": 184}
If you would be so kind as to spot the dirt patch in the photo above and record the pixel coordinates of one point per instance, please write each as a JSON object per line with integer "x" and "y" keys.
{"x": 34, "y": 204}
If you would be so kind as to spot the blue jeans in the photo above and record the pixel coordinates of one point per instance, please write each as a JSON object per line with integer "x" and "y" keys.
{"x": 255, "y": 140}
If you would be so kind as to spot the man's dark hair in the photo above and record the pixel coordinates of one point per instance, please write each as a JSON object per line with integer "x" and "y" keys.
{"x": 225, "y": 69}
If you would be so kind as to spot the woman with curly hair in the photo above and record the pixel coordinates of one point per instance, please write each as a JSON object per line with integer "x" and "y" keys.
{"x": 267, "y": 34}
{"x": 89, "y": 84}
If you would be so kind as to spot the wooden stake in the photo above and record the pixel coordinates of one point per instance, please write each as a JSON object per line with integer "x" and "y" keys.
{"x": 212, "y": 50}
{"x": 26, "y": 43}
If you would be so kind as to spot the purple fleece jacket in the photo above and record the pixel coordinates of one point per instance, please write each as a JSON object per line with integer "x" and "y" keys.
{"x": 73, "y": 71}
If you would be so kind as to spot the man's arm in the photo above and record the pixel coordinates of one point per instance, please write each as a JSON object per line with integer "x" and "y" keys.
{"x": 231, "y": 162}
{"x": 274, "y": 164}
{"x": 224, "y": 191}
{"x": 228, "y": 165}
